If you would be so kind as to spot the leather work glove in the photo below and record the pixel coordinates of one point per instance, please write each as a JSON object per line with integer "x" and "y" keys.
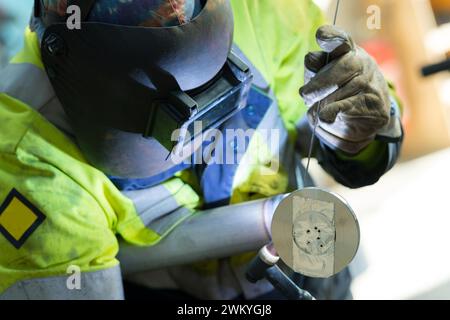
{"x": 356, "y": 103}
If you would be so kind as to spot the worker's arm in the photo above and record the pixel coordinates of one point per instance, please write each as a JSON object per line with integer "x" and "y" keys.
{"x": 366, "y": 167}
{"x": 355, "y": 170}
{"x": 363, "y": 169}
{"x": 57, "y": 214}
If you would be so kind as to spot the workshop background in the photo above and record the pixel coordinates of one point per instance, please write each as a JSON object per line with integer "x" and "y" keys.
{"x": 405, "y": 218}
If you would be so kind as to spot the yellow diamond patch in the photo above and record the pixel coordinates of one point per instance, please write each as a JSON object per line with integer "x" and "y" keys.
{"x": 19, "y": 218}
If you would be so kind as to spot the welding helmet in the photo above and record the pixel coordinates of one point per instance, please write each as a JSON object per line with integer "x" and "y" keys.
{"x": 135, "y": 71}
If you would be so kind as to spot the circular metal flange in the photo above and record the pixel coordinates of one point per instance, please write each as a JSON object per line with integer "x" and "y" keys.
{"x": 315, "y": 232}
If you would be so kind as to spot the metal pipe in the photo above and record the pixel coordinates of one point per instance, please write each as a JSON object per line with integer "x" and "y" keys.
{"x": 211, "y": 234}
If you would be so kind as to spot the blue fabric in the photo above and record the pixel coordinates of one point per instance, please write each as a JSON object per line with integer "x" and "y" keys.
{"x": 217, "y": 179}
{"x": 124, "y": 184}
{"x": 257, "y": 105}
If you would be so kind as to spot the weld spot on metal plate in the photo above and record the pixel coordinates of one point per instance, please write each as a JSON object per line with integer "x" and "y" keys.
{"x": 313, "y": 252}
{"x": 317, "y": 240}
{"x": 315, "y": 232}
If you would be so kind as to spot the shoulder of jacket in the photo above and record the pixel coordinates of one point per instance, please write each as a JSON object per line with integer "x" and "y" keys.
{"x": 16, "y": 119}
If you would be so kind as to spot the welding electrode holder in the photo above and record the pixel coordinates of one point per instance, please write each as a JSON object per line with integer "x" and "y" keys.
{"x": 264, "y": 266}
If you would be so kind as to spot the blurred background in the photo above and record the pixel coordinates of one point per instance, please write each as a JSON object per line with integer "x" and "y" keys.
{"x": 14, "y": 15}
{"x": 405, "y": 218}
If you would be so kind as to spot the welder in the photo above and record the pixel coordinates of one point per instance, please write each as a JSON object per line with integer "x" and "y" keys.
{"x": 87, "y": 144}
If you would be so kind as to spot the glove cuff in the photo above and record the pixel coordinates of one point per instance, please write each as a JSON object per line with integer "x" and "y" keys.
{"x": 392, "y": 132}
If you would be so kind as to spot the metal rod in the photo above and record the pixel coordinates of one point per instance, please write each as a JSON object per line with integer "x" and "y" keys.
{"x": 316, "y": 120}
